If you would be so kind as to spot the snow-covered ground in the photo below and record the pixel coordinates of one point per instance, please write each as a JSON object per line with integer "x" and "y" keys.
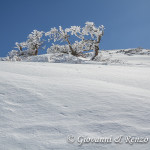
{"x": 41, "y": 104}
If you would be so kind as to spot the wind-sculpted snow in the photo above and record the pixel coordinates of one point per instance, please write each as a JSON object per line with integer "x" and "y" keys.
{"x": 42, "y": 104}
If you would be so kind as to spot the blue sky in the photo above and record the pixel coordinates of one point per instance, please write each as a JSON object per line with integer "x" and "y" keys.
{"x": 127, "y": 22}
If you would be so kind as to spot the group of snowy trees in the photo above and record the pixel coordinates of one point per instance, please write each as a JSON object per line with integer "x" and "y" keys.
{"x": 85, "y": 39}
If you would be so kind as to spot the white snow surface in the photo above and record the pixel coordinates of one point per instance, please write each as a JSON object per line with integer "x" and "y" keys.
{"x": 41, "y": 104}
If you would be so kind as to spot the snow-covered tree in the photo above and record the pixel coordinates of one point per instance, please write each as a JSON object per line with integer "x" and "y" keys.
{"x": 34, "y": 42}
{"x": 90, "y": 36}
{"x": 15, "y": 54}
{"x": 29, "y": 47}
{"x": 61, "y": 35}
{"x": 96, "y": 34}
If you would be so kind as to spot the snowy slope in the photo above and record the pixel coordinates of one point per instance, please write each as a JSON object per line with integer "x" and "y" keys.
{"x": 41, "y": 104}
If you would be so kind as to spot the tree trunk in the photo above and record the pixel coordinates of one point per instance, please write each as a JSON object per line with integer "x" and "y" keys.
{"x": 96, "y": 52}
{"x": 36, "y": 51}
{"x": 74, "y": 53}
{"x": 20, "y": 47}
{"x": 97, "y": 47}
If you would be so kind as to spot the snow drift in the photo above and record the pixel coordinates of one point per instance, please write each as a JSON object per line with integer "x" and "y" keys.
{"x": 41, "y": 104}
